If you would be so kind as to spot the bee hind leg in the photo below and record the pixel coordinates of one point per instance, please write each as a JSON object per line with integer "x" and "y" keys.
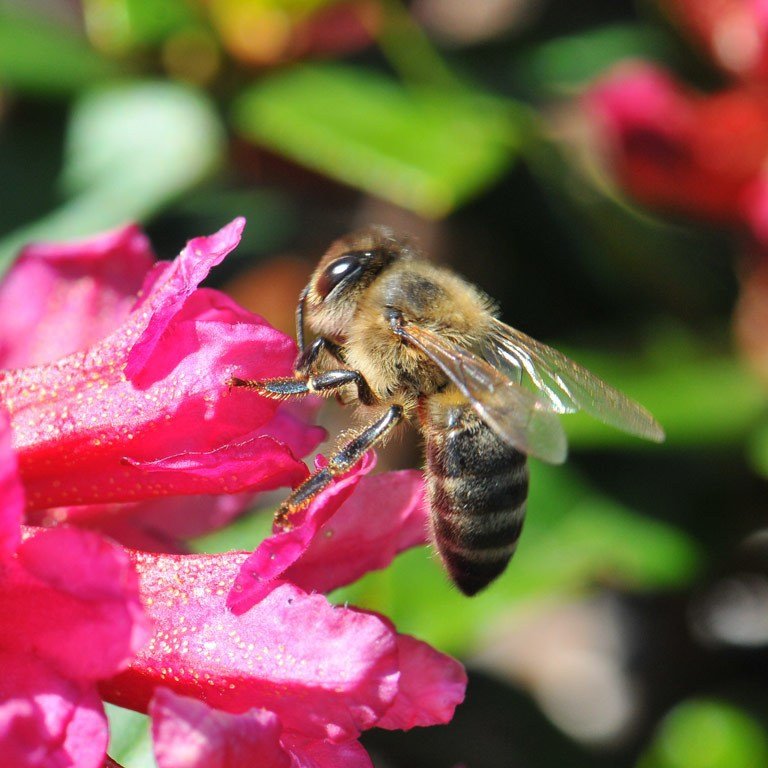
{"x": 338, "y": 464}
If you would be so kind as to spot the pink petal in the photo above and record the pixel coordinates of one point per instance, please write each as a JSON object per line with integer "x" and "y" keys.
{"x": 47, "y": 721}
{"x": 325, "y": 672}
{"x": 61, "y": 297}
{"x": 163, "y": 524}
{"x": 172, "y": 290}
{"x": 306, "y": 753}
{"x": 259, "y": 462}
{"x": 281, "y": 550}
{"x": 189, "y": 734}
{"x": 157, "y": 525}
{"x": 71, "y": 598}
{"x": 431, "y": 686}
{"x": 76, "y": 420}
{"x": 295, "y": 430}
{"x": 384, "y": 515}
{"x": 11, "y": 492}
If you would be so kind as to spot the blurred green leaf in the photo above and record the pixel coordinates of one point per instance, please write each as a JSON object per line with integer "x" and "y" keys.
{"x": 573, "y": 536}
{"x": 150, "y": 21}
{"x": 698, "y": 397}
{"x": 426, "y": 149}
{"x": 129, "y": 151}
{"x": 758, "y": 449}
{"x": 243, "y": 534}
{"x": 39, "y": 57}
{"x": 568, "y": 63}
{"x": 707, "y": 734}
{"x": 130, "y": 742}
{"x": 271, "y": 215}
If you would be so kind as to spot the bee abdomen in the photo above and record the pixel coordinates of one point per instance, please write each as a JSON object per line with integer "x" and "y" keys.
{"x": 478, "y": 486}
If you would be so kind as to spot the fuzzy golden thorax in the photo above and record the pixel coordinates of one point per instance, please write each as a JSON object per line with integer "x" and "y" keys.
{"x": 365, "y": 278}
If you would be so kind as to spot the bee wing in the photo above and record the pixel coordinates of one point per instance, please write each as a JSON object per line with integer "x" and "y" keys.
{"x": 514, "y": 413}
{"x": 566, "y": 386}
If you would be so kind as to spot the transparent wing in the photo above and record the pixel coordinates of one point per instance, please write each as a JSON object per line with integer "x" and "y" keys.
{"x": 514, "y": 413}
{"x": 566, "y": 386}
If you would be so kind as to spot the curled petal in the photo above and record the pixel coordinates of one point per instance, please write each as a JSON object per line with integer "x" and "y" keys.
{"x": 189, "y": 734}
{"x": 74, "y": 601}
{"x": 48, "y": 721}
{"x": 61, "y": 297}
{"x": 384, "y": 515}
{"x": 174, "y": 287}
{"x": 431, "y": 686}
{"x": 281, "y": 550}
{"x": 325, "y": 672}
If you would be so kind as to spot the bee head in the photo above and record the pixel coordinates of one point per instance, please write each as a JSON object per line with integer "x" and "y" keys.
{"x": 349, "y": 266}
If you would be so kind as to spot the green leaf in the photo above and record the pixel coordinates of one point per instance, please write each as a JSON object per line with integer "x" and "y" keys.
{"x": 424, "y": 148}
{"x": 707, "y": 734}
{"x": 130, "y": 741}
{"x": 758, "y": 449}
{"x": 245, "y": 533}
{"x": 130, "y": 150}
{"x": 567, "y": 63}
{"x": 39, "y": 57}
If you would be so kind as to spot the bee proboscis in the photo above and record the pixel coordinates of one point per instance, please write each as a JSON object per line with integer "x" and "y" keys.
{"x": 408, "y": 340}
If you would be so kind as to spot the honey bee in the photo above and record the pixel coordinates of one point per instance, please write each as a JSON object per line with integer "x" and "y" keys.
{"x": 408, "y": 340}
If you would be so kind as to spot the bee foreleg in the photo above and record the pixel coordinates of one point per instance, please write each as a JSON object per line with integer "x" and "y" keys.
{"x": 308, "y": 356}
{"x": 324, "y": 383}
{"x": 342, "y": 461}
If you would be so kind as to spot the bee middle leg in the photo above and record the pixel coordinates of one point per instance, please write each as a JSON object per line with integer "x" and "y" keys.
{"x": 342, "y": 461}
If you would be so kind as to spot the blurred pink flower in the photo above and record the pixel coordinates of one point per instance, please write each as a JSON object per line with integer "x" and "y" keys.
{"x": 701, "y": 154}
{"x": 734, "y": 33}
{"x": 70, "y": 615}
{"x": 143, "y": 411}
{"x": 682, "y": 151}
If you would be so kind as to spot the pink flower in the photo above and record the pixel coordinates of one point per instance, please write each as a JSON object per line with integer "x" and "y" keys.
{"x": 321, "y": 673}
{"x": 144, "y": 412}
{"x": 70, "y": 615}
{"x": 302, "y": 677}
{"x": 136, "y": 433}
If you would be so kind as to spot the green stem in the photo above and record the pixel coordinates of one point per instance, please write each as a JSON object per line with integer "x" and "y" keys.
{"x": 410, "y": 51}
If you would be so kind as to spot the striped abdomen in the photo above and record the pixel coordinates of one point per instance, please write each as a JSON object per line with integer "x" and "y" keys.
{"x": 477, "y": 489}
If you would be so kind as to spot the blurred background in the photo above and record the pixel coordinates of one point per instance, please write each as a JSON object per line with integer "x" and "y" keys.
{"x": 600, "y": 168}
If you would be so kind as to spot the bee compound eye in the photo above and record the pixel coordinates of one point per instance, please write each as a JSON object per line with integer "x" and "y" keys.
{"x": 338, "y": 271}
